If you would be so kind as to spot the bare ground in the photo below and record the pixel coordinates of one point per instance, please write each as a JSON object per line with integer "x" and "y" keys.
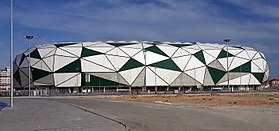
{"x": 209, "y": 99}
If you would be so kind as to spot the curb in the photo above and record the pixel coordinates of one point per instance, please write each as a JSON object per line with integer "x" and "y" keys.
{"x": 90, "y": 111}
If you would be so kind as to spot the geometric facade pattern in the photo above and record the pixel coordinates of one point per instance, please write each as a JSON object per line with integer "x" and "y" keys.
{"x": 139, "y": 63}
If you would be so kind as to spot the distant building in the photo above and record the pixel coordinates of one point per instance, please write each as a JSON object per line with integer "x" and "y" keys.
{"x": 5, "y": 78}
{"x": 274, "y": 83}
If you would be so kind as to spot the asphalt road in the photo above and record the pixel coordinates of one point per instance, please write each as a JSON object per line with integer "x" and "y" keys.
{"x": 42, "y": 115}
{"x": 160, "y": 117}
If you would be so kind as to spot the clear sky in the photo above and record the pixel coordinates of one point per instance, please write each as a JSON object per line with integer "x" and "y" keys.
{"x": 253, "y": 23}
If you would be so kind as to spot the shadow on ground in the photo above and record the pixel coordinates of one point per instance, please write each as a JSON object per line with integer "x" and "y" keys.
{"x": 2, "y": 105}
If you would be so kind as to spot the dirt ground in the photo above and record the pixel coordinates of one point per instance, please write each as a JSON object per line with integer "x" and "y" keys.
{"x": 209, "y": 99}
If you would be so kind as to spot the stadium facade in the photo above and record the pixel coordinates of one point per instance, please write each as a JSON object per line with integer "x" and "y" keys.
{"x": 139, "y": 65}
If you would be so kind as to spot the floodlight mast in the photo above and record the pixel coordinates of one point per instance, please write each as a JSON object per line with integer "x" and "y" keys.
{"x": 29, "y": 37}
{"x": 11, "y": 59}
{"x": 228, "y": 77}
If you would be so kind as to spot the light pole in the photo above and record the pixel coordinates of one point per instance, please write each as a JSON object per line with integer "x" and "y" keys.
{"x": 11, "y": 58}
{"x": 144, "y": 53}
{"x": 155, "y": 81}
{"x": 228, "y": 77}
{"x": 29, "y": 37}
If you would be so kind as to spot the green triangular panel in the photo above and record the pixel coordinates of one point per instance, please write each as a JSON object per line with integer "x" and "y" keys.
{"x": 243, "y": 68}
{"x": 37, "y": 73}
{"x": 22, "y": 58}
{"x": 17, "y": 77}
{"x": 155, "y": 49}
{"x": 259, "y": 76}
{"x": 87, "y": 52}
{"x": 72, "y": 67}
{"x": 35, "y": 54}
{"x": 199, "y": 55}
{"x": 216, "y": 74}
{"x": 166, "y": 64}
{"x": 130, "y": 64}
{"x": 181, "y": 45}
{"x": 61, "y": 45}
{"x": 120, "y": 44}
{"x": 223, "y": 54}
{"x": 97, "y": 81}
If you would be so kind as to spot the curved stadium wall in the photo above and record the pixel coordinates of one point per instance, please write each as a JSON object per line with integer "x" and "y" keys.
{"x": 135, "y": 64}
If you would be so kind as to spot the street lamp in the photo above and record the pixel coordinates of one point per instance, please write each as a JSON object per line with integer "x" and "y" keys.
{"x": 29, "y": 37}
{"x": 228, "y": 77}
{"x": 11, "y": 58}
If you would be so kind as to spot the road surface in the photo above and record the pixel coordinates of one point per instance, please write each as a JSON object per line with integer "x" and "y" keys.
{"x": 154, "y": 117}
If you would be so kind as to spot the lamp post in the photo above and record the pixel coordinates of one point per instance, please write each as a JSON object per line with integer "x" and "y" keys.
{"x": 228, "y": 77}
{"x": 144, "y": 53}
{"x": 11, "y": 59}
{"x": 29, "y": 37}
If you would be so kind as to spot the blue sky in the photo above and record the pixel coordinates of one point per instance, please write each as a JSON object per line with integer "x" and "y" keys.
{"x": 253, "y": 23}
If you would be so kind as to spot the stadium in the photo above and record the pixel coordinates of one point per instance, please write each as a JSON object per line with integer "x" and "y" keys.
{"x": 141, "y": 66}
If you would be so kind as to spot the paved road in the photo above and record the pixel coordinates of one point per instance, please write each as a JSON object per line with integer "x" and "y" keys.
{"x": 154, "y": 117}
{"x": 43, "y": 115}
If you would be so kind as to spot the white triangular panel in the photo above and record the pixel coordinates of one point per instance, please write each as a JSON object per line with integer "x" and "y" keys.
{"x": 154, "y": 57}
{"x": 181, "y": 61}
{"x": 139, "y": 81}
{"x": 131, "y": 74}
{"x": 73, "y": 82}
{"x": 180, "y": 52}
{"x": 193, "y": 63}
{"x": 63, "y": 53}
{"x": 73, "y": 50}
{"x": 116, "y": 51}
{"x": 207, "y": 78}
{"x": 169, "y": 50}
{"x": 208, "y": 58}
{"x": 223, "y": 62}
{"x": 60, "y": 61}
{"x": 257, "y": 56}
{"x": 213, "y": 53}
{"x": 244, "y": 55}
{"x": 217, "y": 65}
{"x": 44, "y": 52}
{"x": 139, "y": 57}
{"x": 235, "y": 52}
{"x": 130, "y": 51}
{"x": 117, "y": 61}
{"x": 153, "y": 80}
{"x": 251, "y": 53}
{"x": 34, "y": 61}
{"x": 87, "y": 66}
{"x": 49, "y": 62}
{"x": 100, "y": 49}
{"x": 237, "y": 62}
{"x": 135, "y": 46}
{"x": 59, "y": 78}
{"x": 255, "y": 68}
{"x": 41, "y": 65}
{"x": 192, "y": 51}
{"x": 184, "y": 80}
{"x": 100, "y": 60}
{"x": 167, "y": 75}
{"x": 197, "y": 74}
